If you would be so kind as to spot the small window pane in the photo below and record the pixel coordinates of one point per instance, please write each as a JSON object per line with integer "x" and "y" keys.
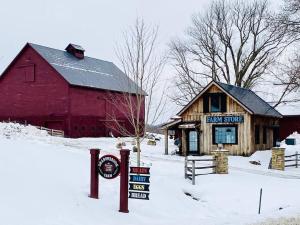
{"x": 225, "y": 135}
{"x": 215, "y": 103}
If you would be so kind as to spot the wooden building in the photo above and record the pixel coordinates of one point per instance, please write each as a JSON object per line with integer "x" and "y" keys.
{"x": 66, "y": 90}
{"x": 225, "y": 114}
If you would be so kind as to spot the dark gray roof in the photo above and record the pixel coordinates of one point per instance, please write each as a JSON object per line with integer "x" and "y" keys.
{"x": 87, "y": 72}
{"x": 250, "y": 100}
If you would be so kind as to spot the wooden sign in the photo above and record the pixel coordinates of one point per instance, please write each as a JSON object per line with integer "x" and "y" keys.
{"x": 140, "y": 170}
{"x": 224, "y": 119}
{"x": 139, "y": 187}
{"x": 139, "y": 183}
{"x": 109, "y": 166}
{"x": 139, "y": 179}
{"x": 139, "y": 195}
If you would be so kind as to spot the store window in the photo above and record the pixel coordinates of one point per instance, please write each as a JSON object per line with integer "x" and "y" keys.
{"x": 225, "y": 135}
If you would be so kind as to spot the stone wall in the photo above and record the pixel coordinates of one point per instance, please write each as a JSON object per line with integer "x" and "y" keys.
{"x": 277, "y": 162}
{"x": 221, "y": 161}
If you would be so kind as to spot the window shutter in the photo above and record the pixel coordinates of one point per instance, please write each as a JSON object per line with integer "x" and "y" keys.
{"x": 223, "y": 102}
{"x": 205, "y": 103}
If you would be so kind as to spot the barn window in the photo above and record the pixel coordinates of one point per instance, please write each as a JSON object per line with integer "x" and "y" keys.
{"x": 257, "y": 134}
{"x": 264, "y": 135}
{"x": 214, "y": 102}
{"x": 225, "y": 134}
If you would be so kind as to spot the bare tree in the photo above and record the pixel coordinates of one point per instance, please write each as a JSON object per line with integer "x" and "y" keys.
{"x": 234, "y": 42}
{"x": 288, "y": 75}
{"x": 144, "y": 67}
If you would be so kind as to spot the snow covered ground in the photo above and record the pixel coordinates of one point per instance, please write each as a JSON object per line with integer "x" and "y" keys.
{"x": 45, "y": 181}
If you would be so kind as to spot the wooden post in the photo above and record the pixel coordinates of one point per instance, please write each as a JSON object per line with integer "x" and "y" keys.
{"x": 183, "y": 142}
{"x": 166, "y": 141}
{"x": 260, "y": 195}
{"x": 185, "y": 167}
{"x": 124, "y": 180}
{"x": 94, "y": 186}
{"x": 296, "y": 159}
{"x": 193, "y": 173}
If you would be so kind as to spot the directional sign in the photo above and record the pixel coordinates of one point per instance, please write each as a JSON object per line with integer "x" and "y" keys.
{"x": 139, "y": 195}
{"x": 109, "y": 166}
{"x": 138, "y": 187}
{"x": 139, "y": 178}
{"x": 140, "y": 170}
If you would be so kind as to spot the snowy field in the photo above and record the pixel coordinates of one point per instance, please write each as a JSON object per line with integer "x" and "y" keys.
{"x": 45, "y": 181}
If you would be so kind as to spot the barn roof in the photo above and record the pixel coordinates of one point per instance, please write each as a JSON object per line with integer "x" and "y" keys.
{"x": 87, "y": 72}
{"x": 247, "y": 98}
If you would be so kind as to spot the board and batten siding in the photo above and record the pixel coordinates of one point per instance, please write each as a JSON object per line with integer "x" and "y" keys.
{"x": 195, "y": 114}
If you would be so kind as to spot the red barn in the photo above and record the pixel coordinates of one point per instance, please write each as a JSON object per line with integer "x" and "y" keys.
{"x": 65, "y": 90}
{"x": 288, "y": 125}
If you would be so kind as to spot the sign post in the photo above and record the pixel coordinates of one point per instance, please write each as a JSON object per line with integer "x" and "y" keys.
{"x": 124, "y": 181}
{"x": 94, "y": 186}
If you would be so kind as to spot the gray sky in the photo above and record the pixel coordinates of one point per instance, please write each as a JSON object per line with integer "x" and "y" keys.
{"x": 95, "y": 24}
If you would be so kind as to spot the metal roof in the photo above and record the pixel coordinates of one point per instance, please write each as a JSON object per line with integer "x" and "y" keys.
{"x": 250, "y": 100}
{"x": 87, "y": 72}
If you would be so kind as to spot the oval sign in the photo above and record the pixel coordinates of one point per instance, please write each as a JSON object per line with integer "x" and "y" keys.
{"x": 109, "y": 166}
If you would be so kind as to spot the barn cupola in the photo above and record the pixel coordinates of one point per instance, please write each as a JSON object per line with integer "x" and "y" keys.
{"x": 75, "y": 50}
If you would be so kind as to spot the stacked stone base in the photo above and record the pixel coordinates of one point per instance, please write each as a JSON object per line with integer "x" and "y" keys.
{"x": 220, "y": 161}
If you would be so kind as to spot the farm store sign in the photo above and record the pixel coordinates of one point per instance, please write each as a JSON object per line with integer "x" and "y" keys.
{"x": 109, "y": 166}
{"x": 139, "y": 183}
{"x": 224, "y": 119}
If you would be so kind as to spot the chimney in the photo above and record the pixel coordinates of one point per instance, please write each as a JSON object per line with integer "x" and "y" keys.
{"x": 75, "y": 50}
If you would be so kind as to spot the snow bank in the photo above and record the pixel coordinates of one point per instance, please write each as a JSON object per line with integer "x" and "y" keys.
{"x": 15, "y": 130}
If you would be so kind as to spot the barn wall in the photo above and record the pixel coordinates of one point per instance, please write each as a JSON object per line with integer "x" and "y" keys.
{"x": 31, "y": 90}
{"x": 93, "y": 111}
{"x": 288, "y": 125}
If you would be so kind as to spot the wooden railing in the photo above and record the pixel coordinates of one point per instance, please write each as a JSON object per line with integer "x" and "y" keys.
{"x": 52, "y": 132}
{"x": 191, "y": 169}
{"x": 292, "y": 158}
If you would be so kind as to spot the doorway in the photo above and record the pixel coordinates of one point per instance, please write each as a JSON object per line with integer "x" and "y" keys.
{"x": 193, "y": 142}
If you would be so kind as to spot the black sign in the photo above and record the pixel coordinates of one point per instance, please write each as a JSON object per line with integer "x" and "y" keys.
{"x": 139, "y": 195}
{"x": 140, "y": 170}
{"x": 139, "y": 179}
{"x": 138, "y": 187}
{"x": 224, "y": 119}
{"x": 109, "y": 166}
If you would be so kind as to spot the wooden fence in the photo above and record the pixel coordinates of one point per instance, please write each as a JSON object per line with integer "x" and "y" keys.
{"x": 52, "y": 132}
{"x": 191, "y": 170}
{"x": 292, "y": 158}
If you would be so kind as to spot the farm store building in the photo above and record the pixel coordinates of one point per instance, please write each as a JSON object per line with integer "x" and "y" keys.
{"x": 228, "y": 115}
{"x": 66, "y": 90}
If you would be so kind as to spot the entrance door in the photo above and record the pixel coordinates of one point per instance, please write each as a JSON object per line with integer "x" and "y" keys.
{"x": 193, "y": 142}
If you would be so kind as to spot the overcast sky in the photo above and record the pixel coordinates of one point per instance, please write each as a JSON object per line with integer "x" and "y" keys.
{"x": 96, "y": 25}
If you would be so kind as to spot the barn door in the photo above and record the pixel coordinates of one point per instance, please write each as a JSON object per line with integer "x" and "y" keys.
{"x": 55, "y": 125}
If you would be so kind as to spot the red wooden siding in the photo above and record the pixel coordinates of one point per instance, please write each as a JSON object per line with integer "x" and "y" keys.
{"x": 32, "y": 91}
{"x": 288, "y": 125}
